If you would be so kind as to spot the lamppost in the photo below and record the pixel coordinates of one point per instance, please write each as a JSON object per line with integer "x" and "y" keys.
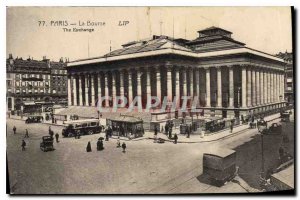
{"x": 261, "y": 127}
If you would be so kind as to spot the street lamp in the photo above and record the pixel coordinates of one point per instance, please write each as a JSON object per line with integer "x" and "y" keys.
{"x": 261, "y": 126}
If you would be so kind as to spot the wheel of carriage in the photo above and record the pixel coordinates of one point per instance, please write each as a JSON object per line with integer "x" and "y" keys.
{"x": 70, "y": 135}
{"x": 90, "y": 132}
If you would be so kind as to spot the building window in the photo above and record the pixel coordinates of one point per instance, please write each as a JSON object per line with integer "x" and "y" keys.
{"x": 41, "y": 91}
{"x": 18, "y": 91}
{"x": 24, "y": 75}
{"x": 23, "y": 83}
{"x": 9, "y": 83}
{"x": 23, "y": 91}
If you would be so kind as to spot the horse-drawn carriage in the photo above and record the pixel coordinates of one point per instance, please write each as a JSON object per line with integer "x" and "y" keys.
{"x": 47, "y": 143}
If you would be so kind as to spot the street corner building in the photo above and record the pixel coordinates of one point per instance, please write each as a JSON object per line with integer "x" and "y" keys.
{"x": 228, "y": 78}
{"x": 33, "y": 84}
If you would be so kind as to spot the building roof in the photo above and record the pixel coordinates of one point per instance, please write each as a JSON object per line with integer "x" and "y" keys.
{"x": 126, "y": 118}
{"x": 213, "y": 28}
{"x": 18, "y": 63}
{"x": 212, "y": 41}
{"x": 158, "y": 42}
{"x": 58, "y": 65}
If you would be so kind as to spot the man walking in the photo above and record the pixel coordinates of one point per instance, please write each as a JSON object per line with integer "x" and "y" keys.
{"x": 124, "y": 147}
{"x": 56, "y": 137}
{"x": 175, "y": 138}
{"x": 14, "y": 129}
{"x": 23, "y": 145}
{"x": 231, "y": 127}
{"x": 26, "y": 134}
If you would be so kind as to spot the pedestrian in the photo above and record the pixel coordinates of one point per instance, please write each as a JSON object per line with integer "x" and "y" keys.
{"x": 124, "y": 147}
{"x": 26, "y": 134}
{"x": 14, "y": 129}
{"x": 175, "y": 138}
{"x": 170, "y": 132}
{"x": 23, "y": 145}
{"x": 50, "y": 130}
{"x": 231, "y": 127}
{"x": 155, "y": 133}
{"x": 188, "y": 131}
{"x": 118, "y": 143}
{"x": 88, "y": 147}
{"x": 56, "y": 137}
{"x": 166, "y": 129}
{"x": 100, "y": 145}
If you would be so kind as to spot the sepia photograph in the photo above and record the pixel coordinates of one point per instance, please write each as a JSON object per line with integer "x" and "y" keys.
{"x": 150, "y": 100}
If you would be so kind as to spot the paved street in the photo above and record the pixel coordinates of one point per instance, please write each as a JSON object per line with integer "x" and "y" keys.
{"x": 146, "y": 167}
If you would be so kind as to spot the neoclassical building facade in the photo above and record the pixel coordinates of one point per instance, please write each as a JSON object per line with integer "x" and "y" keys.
{"x": 226, "y": 77}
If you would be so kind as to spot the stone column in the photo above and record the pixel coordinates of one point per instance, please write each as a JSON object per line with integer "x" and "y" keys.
{"x": 253, "y": 88}
{"x": 184, "y": 82}
{"x": 282, "y": 86}
{"x": 158, "y": 84}
{"x": 139, "y": 83}
{"x": 169, "y": 83}
{"x": 191, "y": 82}
{"x": 106, "y": 89}
{"x": 244, "y": 87}
{"x": 74, "y": 92}
{"x": 261, "y": 90}
{"x": 122, "y": 83}
{"x": 219, "y": 87}
{"x": 258, "y": 93}
{"x": 249, "y": 88}
{"x": 231, "y": 87}
{"x": 86, "y": 89}
{"x": 148, "y": 83}
{"x": 208, "y": 103}
{"x": 265, "y": 87}
{"x": 69, "y": 91}
{"x": 269, "y": 86}
{"x": 272, "y": 86}
{"x": 99, "y": 87}
{"x": 114, "y": 85}
{"x": 177, "y": 87}
{"x": 80, "y": 90}
{"x": 93, "y": 89}
{"x": 130, "y": 93}
{"x": 277, "y": 86}
{"x": 197, "y": 88}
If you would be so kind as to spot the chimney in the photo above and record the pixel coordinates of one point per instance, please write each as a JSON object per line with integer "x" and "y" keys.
{"x": 10, "y": 56}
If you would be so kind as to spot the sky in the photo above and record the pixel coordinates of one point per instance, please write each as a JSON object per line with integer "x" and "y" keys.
{"x": 267, "y": 29}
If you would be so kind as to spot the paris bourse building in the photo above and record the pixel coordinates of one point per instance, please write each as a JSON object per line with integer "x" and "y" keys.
{"x": 229, "y": 78}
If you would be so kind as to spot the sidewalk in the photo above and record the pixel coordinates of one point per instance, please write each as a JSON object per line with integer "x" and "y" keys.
{"x": 211, "y": 137}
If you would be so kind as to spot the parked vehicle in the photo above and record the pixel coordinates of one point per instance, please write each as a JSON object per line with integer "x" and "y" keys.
{"x": 81, "y": 127}
{"x": 220, "y": 165}
{"x": 47, "y": 143}
{"x": 274, "y": 129}
{"x": 215, "y": 124}
{"x": 34, "y": 119}
{"x": 285, "y": 116}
